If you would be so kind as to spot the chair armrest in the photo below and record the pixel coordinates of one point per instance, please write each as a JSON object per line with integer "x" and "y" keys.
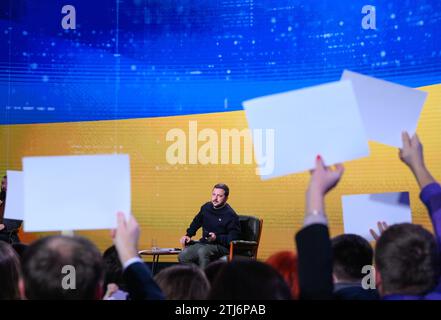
{"x": 244, "y": 243}
{"x": 241, "y": 244}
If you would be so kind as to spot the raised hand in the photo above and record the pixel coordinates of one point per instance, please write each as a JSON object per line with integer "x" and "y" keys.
{"x": 412, "y": 155}
{"x": 382, "y": 226}
{"x": 323, "y": 179}
{"x": 412, "y": 151}
{"x": 126, "y": 237}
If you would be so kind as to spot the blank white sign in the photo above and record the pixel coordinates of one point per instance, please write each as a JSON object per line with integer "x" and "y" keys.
{"x": 75, "y": 192}
{"x": 386, "y": 108}
{"x": 322, "y": 120}
{"x": 361, "y": 212}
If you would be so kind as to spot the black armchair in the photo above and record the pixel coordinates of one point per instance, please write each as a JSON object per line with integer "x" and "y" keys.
{"x": 11, "y": 230}
{"x": 247, "y": 246}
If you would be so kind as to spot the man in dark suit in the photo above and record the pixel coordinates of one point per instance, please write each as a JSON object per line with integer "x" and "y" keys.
{"x": 3, "y": 200}
{"x": 8, "y": 227}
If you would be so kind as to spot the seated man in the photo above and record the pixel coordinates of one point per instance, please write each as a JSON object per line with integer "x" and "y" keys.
{"x": 2, "y": 201}
{"x": 220, "y": 225}
{"x": 8, "y": 227}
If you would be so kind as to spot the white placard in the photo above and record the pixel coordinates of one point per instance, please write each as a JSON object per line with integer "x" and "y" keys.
{"x": 322, "y": 120}
{"x": 387, "y": 108}
{"x": 75, "y": 192}
{"x": 361, "y": 212}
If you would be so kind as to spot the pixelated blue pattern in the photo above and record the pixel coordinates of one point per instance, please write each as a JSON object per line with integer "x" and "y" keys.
{"x": 151, "y": 58}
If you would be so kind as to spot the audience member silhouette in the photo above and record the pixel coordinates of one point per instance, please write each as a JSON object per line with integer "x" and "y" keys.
{"x": 351, "y": 253}
{"x": 249, "y": 280}
{"x": 9, "y": 272}
{"x": 285, "y": 262}
{"x": 183, "y": 282}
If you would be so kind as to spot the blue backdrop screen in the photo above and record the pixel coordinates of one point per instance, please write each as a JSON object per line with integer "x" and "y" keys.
{"x": 151, "y": 58}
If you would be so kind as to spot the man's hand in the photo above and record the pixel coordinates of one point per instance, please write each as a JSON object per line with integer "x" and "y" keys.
{"x": 111, "y": 289}
{"x": 382, "y": 226}
{"x": 126, "y": 237}
{"x": 323, "y": 179}
{"x": 211, "y": 237}
{"x": 184, "y": 240}
{"x": 2, "y": 226}
{"x": 412, "y": 155}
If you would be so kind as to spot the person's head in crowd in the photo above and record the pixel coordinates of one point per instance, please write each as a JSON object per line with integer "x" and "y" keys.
{"x": 213, "y": 268}
{"x": 249, "y": 280}
{"x": 285, "y": 262}
{"x": 9, "y": 272}
{"x": 114, "y": 283}
{"x": 406, "y": 260}
{"x": 350, "y": 253}
{"x": 62, "y": 268}
{"x": 183, "y": 282}
{"x": 219, "y": 195}
{"x": 20, "y": 249}
{"x": 113, "y": 270}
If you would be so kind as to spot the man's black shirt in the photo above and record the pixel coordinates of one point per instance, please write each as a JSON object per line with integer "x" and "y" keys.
{"x": 223, "y": 222}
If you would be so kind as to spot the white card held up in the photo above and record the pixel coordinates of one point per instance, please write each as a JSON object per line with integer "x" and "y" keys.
{"x": 301, "y": 124}
{"x": 387, "y": 108}
{"x": 14, "y": 196}
{"x": 361, "y": 212}
{"x": 75, "y": 192}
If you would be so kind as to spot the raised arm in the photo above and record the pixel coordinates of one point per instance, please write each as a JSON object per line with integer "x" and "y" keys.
{"x": 412, "y": 155}
{"x": 313, "y": 243}
{"x": 137, "y": 275}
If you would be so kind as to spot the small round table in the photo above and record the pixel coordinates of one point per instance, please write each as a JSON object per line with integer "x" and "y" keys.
{"x": 156, "y": 253}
